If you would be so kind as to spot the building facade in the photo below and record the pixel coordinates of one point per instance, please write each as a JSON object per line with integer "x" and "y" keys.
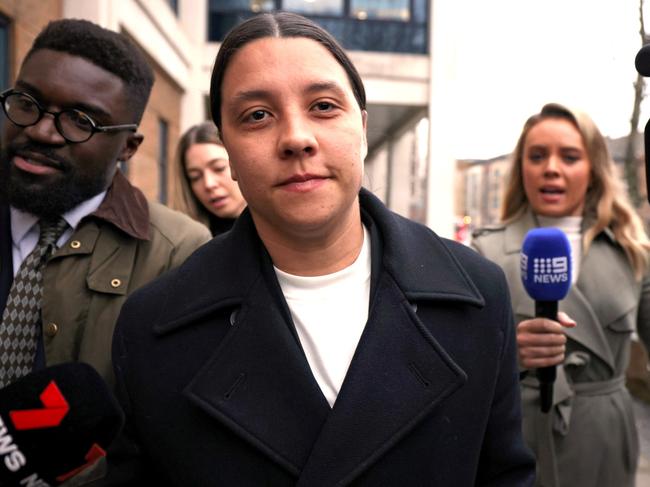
{"x": 390, "y": 41}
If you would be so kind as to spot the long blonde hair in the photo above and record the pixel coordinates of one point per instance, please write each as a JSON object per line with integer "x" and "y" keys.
{"x": 606, "y": 203}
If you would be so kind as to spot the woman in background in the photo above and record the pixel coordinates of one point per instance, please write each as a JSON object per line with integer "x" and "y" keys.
{"x": 207, "y": 191}
{"x": 562, "y": 176}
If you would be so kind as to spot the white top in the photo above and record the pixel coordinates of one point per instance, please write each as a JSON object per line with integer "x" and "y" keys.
{"x": 571, "y": 226}
{"x": 25, "y": 229}
{"x": 330, "y": 313}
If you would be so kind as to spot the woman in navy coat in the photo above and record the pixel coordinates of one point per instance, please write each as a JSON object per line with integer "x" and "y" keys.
{"x": 401, "y": 370}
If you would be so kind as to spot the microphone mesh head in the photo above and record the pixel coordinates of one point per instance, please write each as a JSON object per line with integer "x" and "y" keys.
{"x": 642, "y": 61}
{"x": 546, "y": 264}
{"x": 56, "y": 417}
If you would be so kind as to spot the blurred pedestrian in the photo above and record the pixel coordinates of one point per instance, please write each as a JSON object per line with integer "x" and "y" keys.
{"x": 206, "y": 190}
{"x": 324, "y": 340}
{"x": 563, "y": 176}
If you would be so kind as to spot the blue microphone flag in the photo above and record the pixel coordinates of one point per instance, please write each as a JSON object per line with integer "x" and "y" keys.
{"x": 546, "y": 264}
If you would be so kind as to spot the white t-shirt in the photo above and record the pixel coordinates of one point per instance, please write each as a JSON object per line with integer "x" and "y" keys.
{"x": 330, "y": 313}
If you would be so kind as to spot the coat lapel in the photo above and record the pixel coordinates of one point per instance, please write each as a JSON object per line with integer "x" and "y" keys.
{"x": 257, "y": 382}
{"x": 588, "y": 332}
{"x": 398, "y": 374}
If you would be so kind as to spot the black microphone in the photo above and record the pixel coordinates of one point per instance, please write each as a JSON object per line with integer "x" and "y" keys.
{"x": 546, "y": 275}
{"x": 642, "y": 64}
{"x": 54, "y": 423}
{"x": 642, "y": 61}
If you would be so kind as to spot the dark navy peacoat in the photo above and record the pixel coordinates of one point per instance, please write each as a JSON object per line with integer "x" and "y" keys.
{"x": 218, "y": 392}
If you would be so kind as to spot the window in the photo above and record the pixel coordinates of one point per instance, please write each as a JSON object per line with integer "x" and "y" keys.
{"x": 4, "y": 53}
{"x": 365, "y": 25}
{"x": 380, "y": 9}
{"x": 173, "y": 4}
{"x": 206, "y": 108}
{"x": 4, "y": 60}
{"x": 496, "y": 189}
{"x": 242, "y": 5}
{"x": 163, "y": 142}
{"x": 312, "y": 7}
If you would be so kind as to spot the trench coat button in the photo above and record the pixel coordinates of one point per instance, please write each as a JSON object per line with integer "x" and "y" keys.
{"x": 51, "y": 329}
{"x": 116, "y": 282}
{"x": 75, "y": 244}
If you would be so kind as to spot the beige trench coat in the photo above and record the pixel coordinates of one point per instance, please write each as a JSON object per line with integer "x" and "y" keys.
{"x": 589, "y": 438}
{"x": 88, "y": 279}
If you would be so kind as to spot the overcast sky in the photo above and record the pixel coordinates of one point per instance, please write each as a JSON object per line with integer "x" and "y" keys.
{"x": 506, "y": 58}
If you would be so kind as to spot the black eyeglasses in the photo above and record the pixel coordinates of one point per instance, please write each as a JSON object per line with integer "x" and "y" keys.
{"x": 74, "y": 125}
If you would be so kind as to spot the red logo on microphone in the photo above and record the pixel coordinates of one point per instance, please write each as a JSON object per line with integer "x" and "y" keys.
{"x": 55, "y": 407}
{"x": 94, "y": 454}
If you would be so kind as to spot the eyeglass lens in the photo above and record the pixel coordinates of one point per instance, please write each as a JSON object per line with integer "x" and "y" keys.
{"x": 73, "y": 125}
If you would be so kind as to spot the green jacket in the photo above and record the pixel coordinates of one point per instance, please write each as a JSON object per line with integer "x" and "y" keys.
{"x": 592, "y": 410}
{"x": 125, "y": 244}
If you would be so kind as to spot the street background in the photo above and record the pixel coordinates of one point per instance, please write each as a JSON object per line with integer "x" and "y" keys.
{"x": 642, "y": 411}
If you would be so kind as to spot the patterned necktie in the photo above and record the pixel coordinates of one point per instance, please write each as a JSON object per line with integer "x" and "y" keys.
{"x": 19, "y": 330}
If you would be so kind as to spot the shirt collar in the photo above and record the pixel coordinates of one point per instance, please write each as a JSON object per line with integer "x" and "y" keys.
{"x": 22, "y": 221}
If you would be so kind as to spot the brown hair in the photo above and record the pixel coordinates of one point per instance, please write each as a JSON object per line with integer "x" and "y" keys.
{"x": 184, "y": 198}
{"x": 606, "y": 204}
{"x": 278, "y": 24}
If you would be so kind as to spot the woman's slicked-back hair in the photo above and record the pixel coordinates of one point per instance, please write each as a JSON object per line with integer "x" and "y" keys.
{"x": 279, "y": 25}
{"x": 606, "y": 203}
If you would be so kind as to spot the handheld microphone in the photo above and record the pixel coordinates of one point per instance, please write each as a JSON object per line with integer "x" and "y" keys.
{"x": 642, "y": 61}
{"x": 546, "y": 275}
{"x": 642, "y": 64}
{"x": 54, "y": 423}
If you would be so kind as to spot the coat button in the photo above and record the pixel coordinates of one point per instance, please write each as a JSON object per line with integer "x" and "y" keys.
{"x": 75, "y": 244}
{"x": 116, "y": 282}
{"x": 51, "y": 329}
{"x": 233, "y": 317}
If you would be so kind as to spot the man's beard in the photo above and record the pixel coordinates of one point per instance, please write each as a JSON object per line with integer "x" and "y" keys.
{"x": 45, "y": 198}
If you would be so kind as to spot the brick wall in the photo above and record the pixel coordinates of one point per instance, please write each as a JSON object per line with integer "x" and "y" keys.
{"x": 165, "y": 103}
{"x": 27, "y": 17}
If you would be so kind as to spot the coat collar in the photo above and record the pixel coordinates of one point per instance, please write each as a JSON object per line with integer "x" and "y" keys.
{"x": 418, "y": 260}
{"x": 515, "y": 232}
{"x": 125, "y": 207}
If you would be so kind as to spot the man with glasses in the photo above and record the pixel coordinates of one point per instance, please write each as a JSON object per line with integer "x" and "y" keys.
{"x": 75, "y": 237}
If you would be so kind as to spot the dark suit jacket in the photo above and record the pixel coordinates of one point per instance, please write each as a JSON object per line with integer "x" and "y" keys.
{"x": 6, "y": 257}
{"x": 218, "y": 391}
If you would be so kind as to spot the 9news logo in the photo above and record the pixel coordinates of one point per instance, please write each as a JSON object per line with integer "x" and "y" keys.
{"x": 546, "y": 270}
